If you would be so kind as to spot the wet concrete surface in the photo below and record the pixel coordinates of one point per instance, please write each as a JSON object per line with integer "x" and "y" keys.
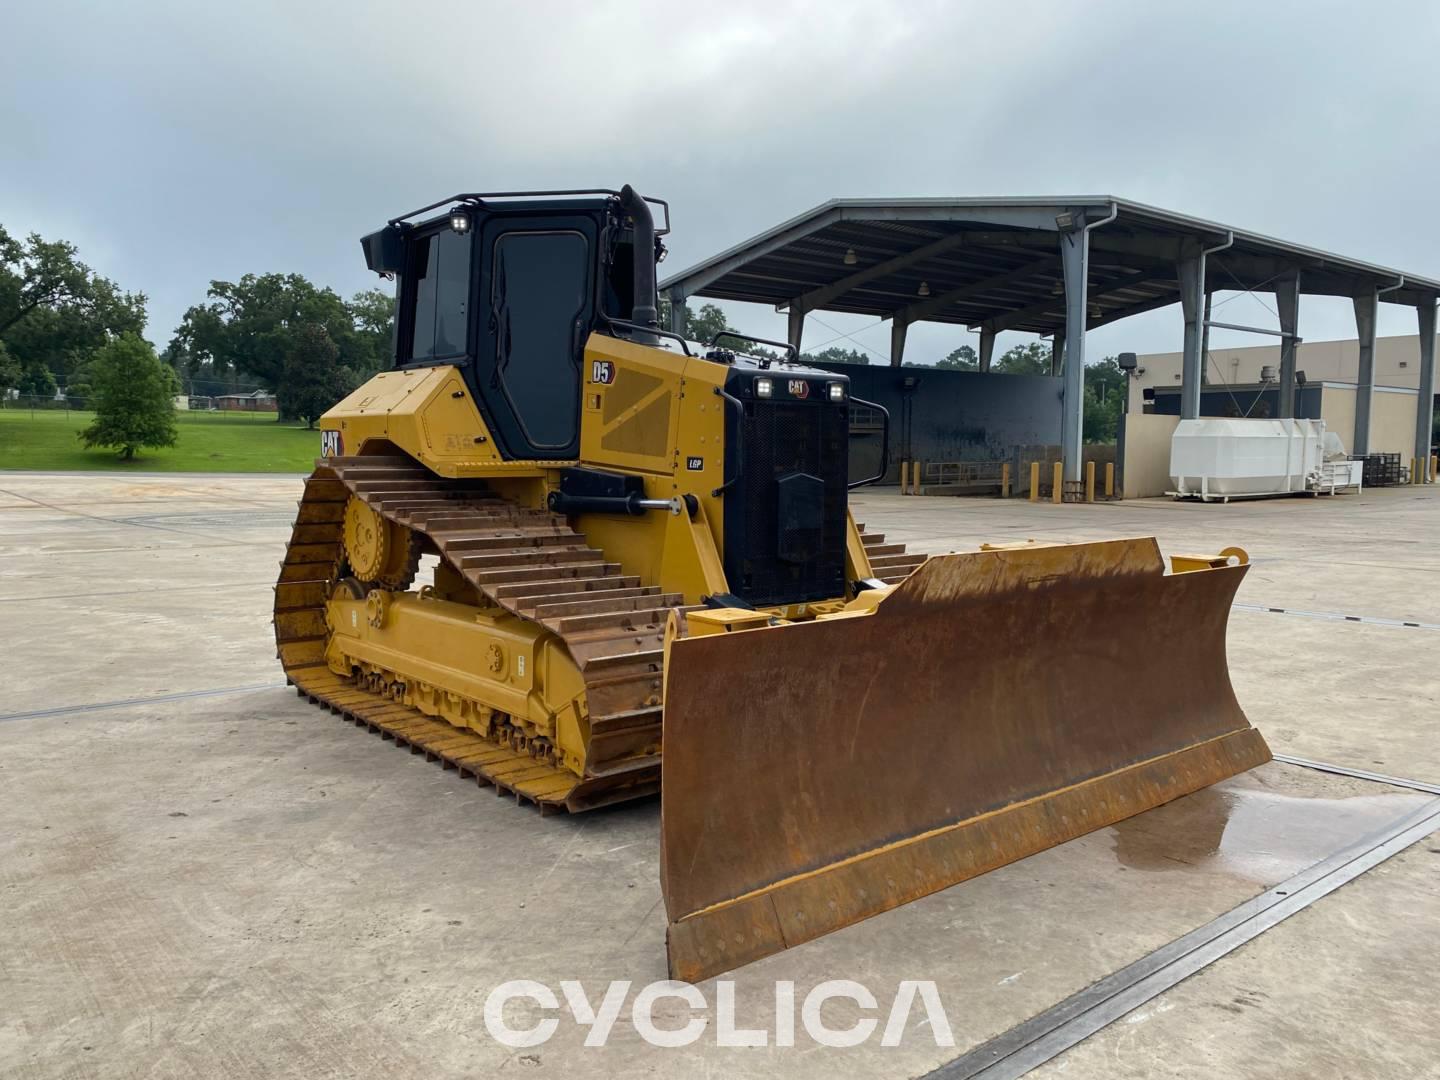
{"x": 243, "y": 885}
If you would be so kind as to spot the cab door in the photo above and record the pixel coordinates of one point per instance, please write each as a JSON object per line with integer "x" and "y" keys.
{"x": 536, "y": 308}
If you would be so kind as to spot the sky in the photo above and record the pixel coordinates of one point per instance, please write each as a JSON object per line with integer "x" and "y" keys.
{"x": 179, "y": 142}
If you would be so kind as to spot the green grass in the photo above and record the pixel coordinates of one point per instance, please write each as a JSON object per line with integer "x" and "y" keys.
{"x": 209, "y": 442}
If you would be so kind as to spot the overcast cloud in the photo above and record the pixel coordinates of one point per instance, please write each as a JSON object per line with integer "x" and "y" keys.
{"x": 179, "y": 142}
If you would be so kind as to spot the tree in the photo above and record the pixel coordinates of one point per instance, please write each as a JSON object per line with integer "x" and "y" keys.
{"x": 9, "y": 369}
{"x": 54, "y": 310}
{"x": 372, "y": 315}
{"x": 313, "y": 377}
{"x": 1105, "y": 388}
{"x": 836, "y": 355}
{"x": 134, "y": 398}
{"x": 36, "y": 382}
{"x": 1030, "y": 359}
{"x": 962, "y": 359}
{"x": 704, "y": 325}
{"x": 250, "y": 326}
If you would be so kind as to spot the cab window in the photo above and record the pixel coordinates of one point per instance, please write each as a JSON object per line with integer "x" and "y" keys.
{"x": 439, "y": 291}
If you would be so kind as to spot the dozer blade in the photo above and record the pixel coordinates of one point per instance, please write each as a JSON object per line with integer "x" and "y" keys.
{"x": 993, "y": 705}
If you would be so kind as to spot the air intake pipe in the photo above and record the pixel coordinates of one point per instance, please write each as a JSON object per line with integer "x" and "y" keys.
{"x": 645, "y": 310}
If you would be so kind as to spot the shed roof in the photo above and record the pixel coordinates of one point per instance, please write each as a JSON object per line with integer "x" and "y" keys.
{"x": 995, "y": 262}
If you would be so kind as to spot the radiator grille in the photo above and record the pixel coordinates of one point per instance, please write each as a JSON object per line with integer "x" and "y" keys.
{"x": 765, "y": 562}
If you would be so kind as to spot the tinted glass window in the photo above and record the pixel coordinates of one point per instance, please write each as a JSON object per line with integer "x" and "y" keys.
{"x": 442, "y": 286}
{"x": 539, "y": 286}
{"x": 424, "y": 260}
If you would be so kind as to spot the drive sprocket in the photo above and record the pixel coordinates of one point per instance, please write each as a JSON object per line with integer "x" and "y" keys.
{"x": 379, "y": 552}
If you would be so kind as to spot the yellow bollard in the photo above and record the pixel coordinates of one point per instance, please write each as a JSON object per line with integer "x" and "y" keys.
{"x": 1057, "y": 490}
{"x": 915, "y": 486}
{"x": 1005, "y": 480}
{"x": 1089, "y": 481}
{"x": 1034, "y": 481}
{"x": 1434, "y": 467}
{"x": 1109, "y": 480}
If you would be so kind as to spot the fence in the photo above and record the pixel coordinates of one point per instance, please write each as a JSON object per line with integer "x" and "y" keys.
{"x": 38, "y": 405}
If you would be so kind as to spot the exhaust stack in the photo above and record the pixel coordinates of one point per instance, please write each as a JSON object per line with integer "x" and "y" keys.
{"x": 645, "y": 308}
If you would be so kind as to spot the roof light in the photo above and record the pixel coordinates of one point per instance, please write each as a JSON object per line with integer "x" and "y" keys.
{"x": 837, "y": 391}
{"x": 460, "y": 222}
{"x": 763, "y": 387}
{"x": 850, "y": 258}
{"x": 924, "y": 289}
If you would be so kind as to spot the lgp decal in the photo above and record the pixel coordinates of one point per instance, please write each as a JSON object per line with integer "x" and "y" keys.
{"x": 695, "y": 464}
{"x": 331, "y": 444}
{"x": 799, "y": 388}
{"x": 603, "y": 372}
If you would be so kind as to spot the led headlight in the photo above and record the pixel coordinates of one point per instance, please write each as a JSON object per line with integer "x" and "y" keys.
{"x": 763, "y": 387}
{"x": 460, "y": 222}
{"x": 837, "y": 391}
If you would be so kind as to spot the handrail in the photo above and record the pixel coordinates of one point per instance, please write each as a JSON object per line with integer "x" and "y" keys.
{"x": 732, "y": 401}
{"x": 794, "y": 353}
{"x": 480, "y": 196}
{"x": 648, "y": 330}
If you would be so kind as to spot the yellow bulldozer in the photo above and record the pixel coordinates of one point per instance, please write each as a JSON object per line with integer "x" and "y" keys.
{"x": 648, "y": 580}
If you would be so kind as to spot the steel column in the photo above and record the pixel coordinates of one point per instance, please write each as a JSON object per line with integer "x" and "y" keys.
{"x": 677, "y": 311}
{"x": 1057, "y": 352}
{"x": 987, "y": 348}
{"x": 1365, "y": 308}
{"x": 1075, "y": 261}
{"x": 797, "y": 324}
{"x": 1205, "y": 340}
{"x": 1287, "y": 304}
{"x": 897, "y": 341}
{"x": 1192, "y": 303}
{"x": 1425, "y": 405}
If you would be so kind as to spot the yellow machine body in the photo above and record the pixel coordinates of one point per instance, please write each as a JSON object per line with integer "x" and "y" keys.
{"x": 660, "y": 411}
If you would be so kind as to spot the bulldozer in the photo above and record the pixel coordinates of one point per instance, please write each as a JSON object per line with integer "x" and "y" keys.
{"x": 647, "y": 578}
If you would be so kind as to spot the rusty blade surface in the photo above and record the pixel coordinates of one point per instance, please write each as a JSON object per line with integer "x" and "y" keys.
{"x": 995, "y": 704}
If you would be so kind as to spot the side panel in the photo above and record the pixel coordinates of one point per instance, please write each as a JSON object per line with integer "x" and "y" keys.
{"x": 654, "y": 413}
{"x": 429, "y": 414}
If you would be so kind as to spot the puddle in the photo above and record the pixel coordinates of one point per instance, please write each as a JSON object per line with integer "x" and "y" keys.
{"x": 1262, "y": 835}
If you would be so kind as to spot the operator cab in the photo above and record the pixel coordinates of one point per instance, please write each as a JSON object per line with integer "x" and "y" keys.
{"x": 508, "y": 289}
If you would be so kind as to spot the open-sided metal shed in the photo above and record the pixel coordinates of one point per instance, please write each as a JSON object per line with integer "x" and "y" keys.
{"x": 1055, "y": 267}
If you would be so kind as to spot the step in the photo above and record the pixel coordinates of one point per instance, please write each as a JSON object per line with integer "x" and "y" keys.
{"x": 872, "y": 539}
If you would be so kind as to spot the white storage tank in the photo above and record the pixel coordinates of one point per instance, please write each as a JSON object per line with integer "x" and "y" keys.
{"x": 1220, "y": 457}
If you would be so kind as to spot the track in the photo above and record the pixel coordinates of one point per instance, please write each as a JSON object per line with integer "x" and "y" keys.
{"x": 528, "y": 562}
